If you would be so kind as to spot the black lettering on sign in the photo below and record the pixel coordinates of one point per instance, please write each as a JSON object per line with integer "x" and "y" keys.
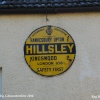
{"x": 58, "y": 69}
{"x": 43, "y": 69}
{"x": 43, "y": 58}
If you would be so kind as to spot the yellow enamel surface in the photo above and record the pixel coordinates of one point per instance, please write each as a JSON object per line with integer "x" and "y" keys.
{"x": 49, "y": 60}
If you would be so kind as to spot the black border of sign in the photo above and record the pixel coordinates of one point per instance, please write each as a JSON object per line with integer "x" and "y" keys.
{"x": 56, "y": 74}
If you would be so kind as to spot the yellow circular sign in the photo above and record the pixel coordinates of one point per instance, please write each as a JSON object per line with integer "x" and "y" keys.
{"x": 49, "y": 51}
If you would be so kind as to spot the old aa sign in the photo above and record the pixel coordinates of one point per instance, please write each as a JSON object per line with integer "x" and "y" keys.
{"x": 49, "y": 51}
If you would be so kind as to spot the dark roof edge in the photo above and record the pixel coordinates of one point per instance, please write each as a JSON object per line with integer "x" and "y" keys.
{"x": 48, "y": 10}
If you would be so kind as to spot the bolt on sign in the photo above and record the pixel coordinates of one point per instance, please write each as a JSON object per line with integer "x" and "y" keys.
{"x": 49, "y": 51}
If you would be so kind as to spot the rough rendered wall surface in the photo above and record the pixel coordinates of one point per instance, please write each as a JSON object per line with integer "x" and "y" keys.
{"x": 80, "y": 82}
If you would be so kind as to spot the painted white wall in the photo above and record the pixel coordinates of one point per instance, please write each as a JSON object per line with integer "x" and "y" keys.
{"x": 80, "y": 82}
{"x": 0, "y": 83}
